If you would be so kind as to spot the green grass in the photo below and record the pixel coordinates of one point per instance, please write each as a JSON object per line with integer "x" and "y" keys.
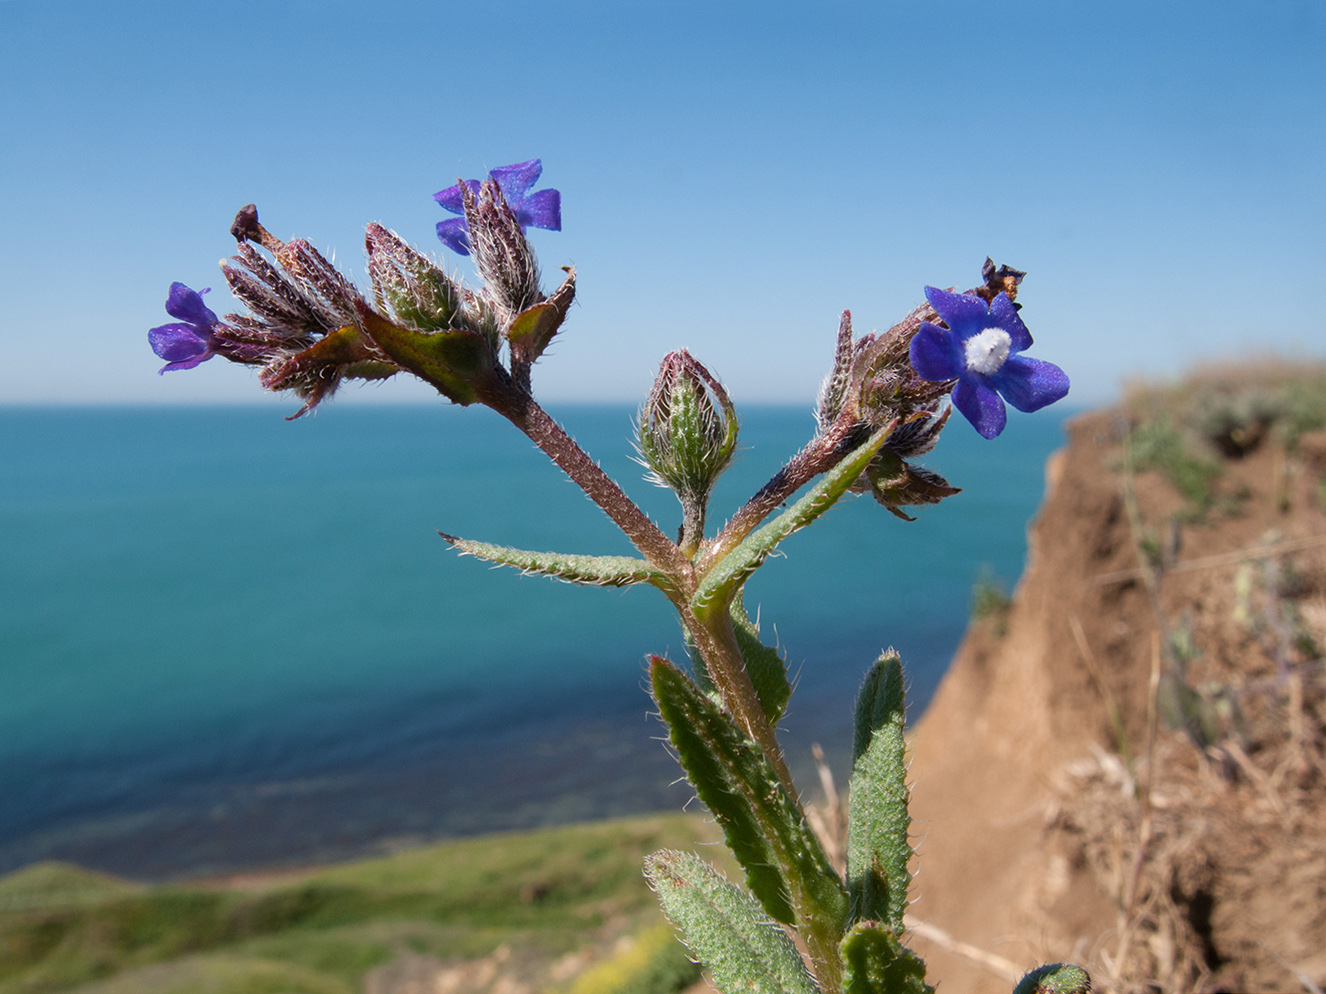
{"x": 542, "y": 893}
{"x": 990, "y": 600}
{"x": 1160, "y": 445}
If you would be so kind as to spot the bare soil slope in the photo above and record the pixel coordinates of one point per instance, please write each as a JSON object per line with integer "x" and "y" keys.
{"x": 1177, "y": 567}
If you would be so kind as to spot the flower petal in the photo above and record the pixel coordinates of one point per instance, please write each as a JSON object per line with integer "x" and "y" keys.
{"x": 965, "y": 314}
{"x": 542, "y": 209}
{"x": 1030, "y": 384}
{"x": 176, "y": 342}
{"x": 452, "y": 199}
{"x": 981, "y": 406}
{"x": 455, "y": 235}
{"x": 1006, "y": 316}
{"x": 170, "y": 367}
{"x": 935, "y": 353}
{"x": 187, "y": 305}
{"x": 516, "y": 179}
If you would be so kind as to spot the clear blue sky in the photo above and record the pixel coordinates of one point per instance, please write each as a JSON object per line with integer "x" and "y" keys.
{"x": 733, "y": 175}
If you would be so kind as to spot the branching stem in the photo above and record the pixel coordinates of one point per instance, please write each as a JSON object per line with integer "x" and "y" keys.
{"x": 523, "y": 412}
{"x": 820, "y": 454}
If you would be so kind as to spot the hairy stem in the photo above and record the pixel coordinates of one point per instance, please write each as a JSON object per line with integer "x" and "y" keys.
{"x": 562, "y": 449}
{"x": 717, "y": 643}
{"x": 819, "y": 455}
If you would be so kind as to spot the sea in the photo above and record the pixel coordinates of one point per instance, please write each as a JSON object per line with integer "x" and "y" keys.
{"x": 230, "y": 642}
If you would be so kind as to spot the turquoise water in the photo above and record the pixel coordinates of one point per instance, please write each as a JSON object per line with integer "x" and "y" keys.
{"x": 227, "y": 640}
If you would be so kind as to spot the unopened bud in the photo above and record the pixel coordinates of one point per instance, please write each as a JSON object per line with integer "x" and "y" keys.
{"x": 409, "y": 285}
{"x": 501, "y": 252}
{"x": 687, "y": 436}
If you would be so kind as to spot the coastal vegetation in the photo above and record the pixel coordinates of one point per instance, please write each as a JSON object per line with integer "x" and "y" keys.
{"x": 563, "y": 909}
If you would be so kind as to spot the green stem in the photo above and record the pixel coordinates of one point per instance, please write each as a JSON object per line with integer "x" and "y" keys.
{"x": 717, "y": 643}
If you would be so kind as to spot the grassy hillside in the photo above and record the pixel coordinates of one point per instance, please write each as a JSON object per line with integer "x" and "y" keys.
{"x": 559, "y": 909}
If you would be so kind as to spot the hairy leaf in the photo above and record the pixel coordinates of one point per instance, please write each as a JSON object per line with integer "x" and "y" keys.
{"x": 768, "y": 671}
{"x": 726, "y": 928}
{"x": 602, "y": 571}
{"x": 785, "y": 866}
{"x": 875, "y": 962}
{"x": 1056, "y": 978}
{"x": 732, "y": 570}
{"x": 533, "y": 328}
{"x": 877, "y": 844}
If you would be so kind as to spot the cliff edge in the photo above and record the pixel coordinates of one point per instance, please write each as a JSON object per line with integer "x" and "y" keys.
{"x": 1125, "y": 768}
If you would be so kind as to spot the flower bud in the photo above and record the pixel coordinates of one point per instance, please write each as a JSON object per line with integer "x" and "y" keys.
{"x": 687, "y": 436}
{"x": 305, "y": 328}
{"x": 501, "y": 252}
{"x": 408, "y": 285}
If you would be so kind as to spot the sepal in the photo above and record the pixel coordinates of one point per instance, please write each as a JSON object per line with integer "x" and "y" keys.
{"x": 599, "y": 571}
{"x": 501, "y": 253}
{"x": 785, "y": 866}
{"x": 533, "y": 329}
{"x": 725, "y": 928}
{"x": 875, "y": 962}
{"x": 878, "y": 849}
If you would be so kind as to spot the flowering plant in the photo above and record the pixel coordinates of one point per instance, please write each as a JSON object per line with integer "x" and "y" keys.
{"x": 800, "y": 924}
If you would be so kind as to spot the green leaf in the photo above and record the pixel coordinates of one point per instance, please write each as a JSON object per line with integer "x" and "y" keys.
{"x": 725, "y": 928}
{"x": 785, "y": 866}
{"x": 768, "y": 671}
{"x": 877, "y": 846}
{"x": 601, "y": 571}
{"x": 454, "y": 362}
{"x": 729, "y": 573}
{"x": 1057, "y": 978}
{"x": 875, "y": 962}
{"x": 532, "y": 329}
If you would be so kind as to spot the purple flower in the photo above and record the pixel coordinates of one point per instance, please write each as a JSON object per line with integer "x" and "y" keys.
{"x": 185, "y": 345}
{"x": 542, "y": 209}
{"x": 979, "y": 349}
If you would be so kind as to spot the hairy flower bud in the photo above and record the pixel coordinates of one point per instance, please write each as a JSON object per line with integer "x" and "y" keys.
{"x": 501, "y": 252}
{"x": 687, "y": 436}
{"x": 305, "y": 328}
{"x": 408, "y": 285}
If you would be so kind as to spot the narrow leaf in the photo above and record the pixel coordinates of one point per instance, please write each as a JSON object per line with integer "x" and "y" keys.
{"x": 785, "y": 866}
{"x": 877, "y": 845}
{"x": 875, "y": 962}
{"x": 732, "y": 570}
{"x": 602, "y": 571}
{"x": 768, "y": 671}
{"x": 725, "y": 928}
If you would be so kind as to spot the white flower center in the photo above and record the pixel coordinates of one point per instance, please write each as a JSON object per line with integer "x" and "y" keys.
{"x": 987, "y": 350}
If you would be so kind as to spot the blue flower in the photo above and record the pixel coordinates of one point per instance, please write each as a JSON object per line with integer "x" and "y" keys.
{"x": 979, "y": 349}
{"x": 185, "y": 345}
{"x": 541, "y": 210}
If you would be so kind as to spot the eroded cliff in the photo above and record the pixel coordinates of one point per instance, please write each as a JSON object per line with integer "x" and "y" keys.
{"x": 1177, "y": 568}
